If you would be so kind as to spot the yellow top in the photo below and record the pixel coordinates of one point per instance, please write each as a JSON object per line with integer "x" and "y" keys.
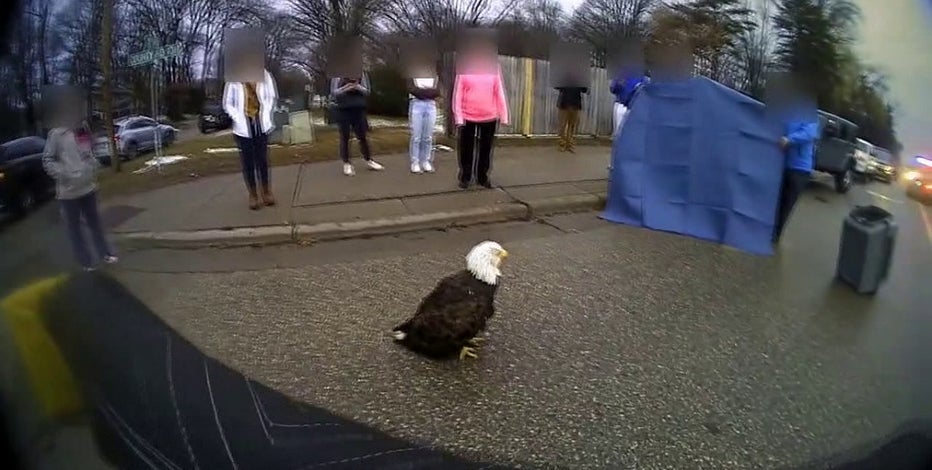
{"x": 252, "y": 100}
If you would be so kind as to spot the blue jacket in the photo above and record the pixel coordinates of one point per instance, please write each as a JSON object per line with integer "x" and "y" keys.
{"x": 624, "y": 88}
{"x": 802, "y": 133}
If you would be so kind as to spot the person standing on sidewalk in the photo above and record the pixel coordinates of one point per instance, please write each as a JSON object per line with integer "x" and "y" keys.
{"x": 569, "y": 104}
{"x": 69, "y": 160}
{"x": 350, "y": 96}
{"x": 250, "y": 106}
{"x": 478, "y": 107}
{"x": 422, "y": 113}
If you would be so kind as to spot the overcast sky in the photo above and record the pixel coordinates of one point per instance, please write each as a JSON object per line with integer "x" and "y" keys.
{"x": 895, "y": 35}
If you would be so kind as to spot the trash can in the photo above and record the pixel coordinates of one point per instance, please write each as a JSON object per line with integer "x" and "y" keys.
{"x": 868, "y": 236}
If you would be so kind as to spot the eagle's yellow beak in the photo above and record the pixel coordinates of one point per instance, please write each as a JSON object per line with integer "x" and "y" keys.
{"x": 503, "y": 254}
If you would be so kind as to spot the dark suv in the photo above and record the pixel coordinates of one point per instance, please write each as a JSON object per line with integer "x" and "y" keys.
{"x": 213, "y": 118}
{"x": 23, "y": 181}
{"x": 834, "y": 153}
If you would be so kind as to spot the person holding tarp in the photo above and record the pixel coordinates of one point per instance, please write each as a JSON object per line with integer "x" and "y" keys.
{"x": 624, "y": 86}
{"x": 798, "y": 118}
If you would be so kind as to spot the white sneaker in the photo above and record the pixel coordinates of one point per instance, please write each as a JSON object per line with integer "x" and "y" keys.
{"x": 111, "y": 259}
{"x": 348, "y": 169}
{"x": 415, "y": 168}
{"x": 374, "y": 165}
{"x": 428, "y": 167}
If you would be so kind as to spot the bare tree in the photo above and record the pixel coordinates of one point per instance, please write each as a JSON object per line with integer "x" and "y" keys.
{"x": 540, "y": 15}
{"x": 441, "y": 19}
{"x": 753, "y": 49}
{"x": 317, "y": 22}
{"x": 106, "y": 51}
{"x": 601, "y": 23}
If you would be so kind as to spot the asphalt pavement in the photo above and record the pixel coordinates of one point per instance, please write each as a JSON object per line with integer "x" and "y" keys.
{"x": 613, "y": 347}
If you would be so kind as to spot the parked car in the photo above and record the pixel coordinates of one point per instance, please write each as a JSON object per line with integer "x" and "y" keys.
{"x": 23, "y": 181}
{"x": 881, "y": 166}
{"x": 920, "y": 187}
{"x": 863, "y": 155}
{"x": 835, "y": 150}
{"x": 133, "y": 135}
{"x": 213, "y": 118}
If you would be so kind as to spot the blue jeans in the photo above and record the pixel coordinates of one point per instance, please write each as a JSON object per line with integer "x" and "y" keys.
{"x": 254, "y": 156}
{"x": 423, "y": 116}
{"x": 73, "y": 211}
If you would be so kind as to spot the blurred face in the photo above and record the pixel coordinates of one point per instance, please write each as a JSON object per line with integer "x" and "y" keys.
{"x": 69, "y": 112}
{"x": 480, "y": 58}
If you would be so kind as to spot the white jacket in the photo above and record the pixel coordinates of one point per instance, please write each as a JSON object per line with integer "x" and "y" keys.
{"x": 234, "y": 103}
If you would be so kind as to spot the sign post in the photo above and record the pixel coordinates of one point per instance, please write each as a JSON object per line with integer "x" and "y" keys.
{"x": 153, "y": 55}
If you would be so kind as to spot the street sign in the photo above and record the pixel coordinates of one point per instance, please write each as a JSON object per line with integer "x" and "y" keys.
{"x": 153, "y": 54}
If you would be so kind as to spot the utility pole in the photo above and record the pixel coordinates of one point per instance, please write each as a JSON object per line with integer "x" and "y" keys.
{"x": 106, "y": 54}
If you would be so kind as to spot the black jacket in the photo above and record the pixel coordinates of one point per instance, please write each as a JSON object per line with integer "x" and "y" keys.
{"x": 423, "y": 93}
{"x": 570, "y": 97}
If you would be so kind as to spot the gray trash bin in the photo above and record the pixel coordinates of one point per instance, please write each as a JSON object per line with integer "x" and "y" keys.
{"x": 868, "y": 236}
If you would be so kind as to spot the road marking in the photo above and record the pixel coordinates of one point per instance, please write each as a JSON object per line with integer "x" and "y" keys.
{"x": 885, "y": 198}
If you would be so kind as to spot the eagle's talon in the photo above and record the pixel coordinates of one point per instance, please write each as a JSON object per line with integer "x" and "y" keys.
{"x": 468, "y": 352}
{"x": 477, "y": 341}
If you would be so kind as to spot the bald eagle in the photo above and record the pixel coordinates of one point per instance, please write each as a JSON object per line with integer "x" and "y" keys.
{"x": 449, "y": 320}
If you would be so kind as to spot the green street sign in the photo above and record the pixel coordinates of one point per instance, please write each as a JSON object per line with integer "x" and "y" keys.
{"x": 155, "y": 54}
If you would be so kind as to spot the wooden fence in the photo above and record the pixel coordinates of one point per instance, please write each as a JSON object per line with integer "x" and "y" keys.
{"x": 532, "y": 100}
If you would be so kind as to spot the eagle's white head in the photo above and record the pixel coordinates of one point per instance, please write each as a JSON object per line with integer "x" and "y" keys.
{"x": 484, "y": 261}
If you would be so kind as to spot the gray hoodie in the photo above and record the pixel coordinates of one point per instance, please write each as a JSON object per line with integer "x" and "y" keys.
{"x": 73, "y": 168}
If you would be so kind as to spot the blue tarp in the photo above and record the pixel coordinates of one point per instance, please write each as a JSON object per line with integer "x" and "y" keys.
{"x": 700, "y": 159}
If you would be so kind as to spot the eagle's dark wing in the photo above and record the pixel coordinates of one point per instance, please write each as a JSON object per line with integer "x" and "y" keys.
{"x": 452, "y": 314}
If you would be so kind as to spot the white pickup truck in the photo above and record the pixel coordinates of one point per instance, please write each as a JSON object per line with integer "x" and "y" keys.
{"x": 863, "y": 156}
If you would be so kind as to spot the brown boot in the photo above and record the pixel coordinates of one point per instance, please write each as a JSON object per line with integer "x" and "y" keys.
{"x": 253, "y": 200}
{"x": 267, "y": 197}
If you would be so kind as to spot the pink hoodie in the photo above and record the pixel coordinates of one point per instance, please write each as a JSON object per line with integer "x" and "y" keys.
{"x": 479, "y": 97}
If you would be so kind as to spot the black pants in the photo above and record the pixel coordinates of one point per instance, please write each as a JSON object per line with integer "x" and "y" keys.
{"x": 794, "y": 182}
{"x": 472, "y": 133}
{"x": 353, "y": 119}
{"x": 254, "y": 155}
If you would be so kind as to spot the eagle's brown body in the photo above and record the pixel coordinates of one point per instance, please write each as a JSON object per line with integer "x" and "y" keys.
{"x": 455, "y": 312}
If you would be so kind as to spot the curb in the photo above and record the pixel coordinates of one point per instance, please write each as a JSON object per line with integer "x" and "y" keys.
{"x": 328, "y": 231}
{"x": 565, "y": 204}
{"x": 411, "y": 223}
{"x": 246, "y": 236}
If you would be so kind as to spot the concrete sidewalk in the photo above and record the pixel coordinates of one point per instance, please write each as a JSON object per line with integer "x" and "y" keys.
{"x": 316, "y": 202}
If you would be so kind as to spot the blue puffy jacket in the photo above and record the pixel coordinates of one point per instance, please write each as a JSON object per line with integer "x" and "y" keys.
{"x": 624, "y": 88}
{"x": 802, "y": 133}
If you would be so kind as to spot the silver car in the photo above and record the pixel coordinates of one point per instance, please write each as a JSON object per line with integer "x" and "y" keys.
{"x": 134, "y": 135}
